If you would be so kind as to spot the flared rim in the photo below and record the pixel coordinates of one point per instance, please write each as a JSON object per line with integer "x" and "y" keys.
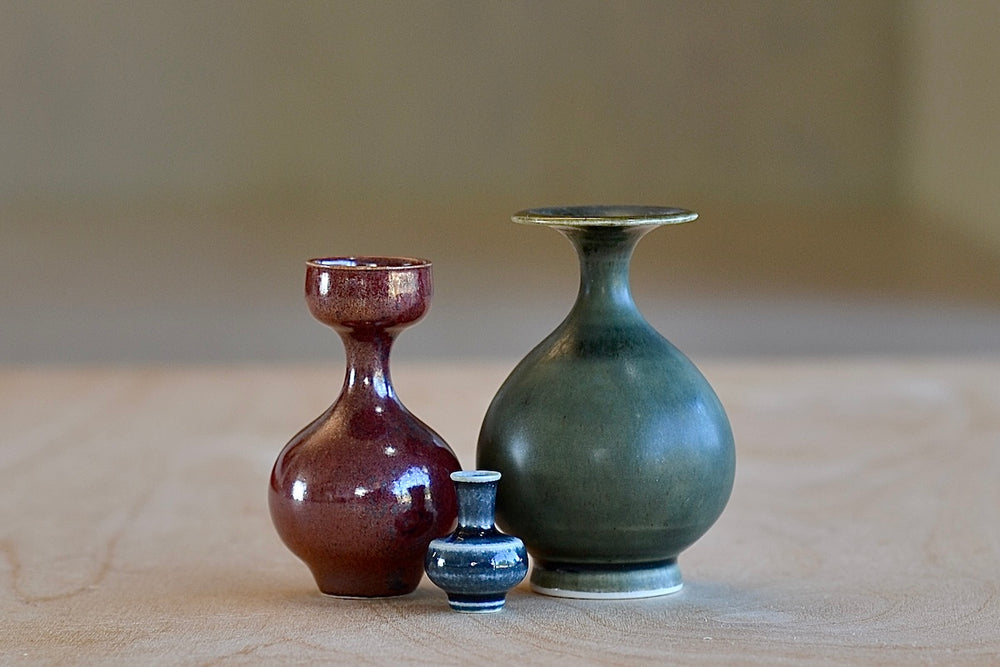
{"x": 368, "y": 263}
{"x": 475, "y": 476}
{"x": 607, "y": 215}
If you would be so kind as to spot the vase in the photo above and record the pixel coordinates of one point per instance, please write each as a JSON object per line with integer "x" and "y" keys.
{"x": 360, "y": 492}
{"x": 477, "y": 564}
{"x": 615, "y": 451}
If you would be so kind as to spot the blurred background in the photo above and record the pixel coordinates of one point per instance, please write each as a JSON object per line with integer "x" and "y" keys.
{"x": 166, "y": 168}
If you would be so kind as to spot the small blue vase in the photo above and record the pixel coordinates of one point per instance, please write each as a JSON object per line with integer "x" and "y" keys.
{"x": 477, "y": 564}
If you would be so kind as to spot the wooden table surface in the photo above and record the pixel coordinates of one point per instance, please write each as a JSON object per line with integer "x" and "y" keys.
{"x": 864, "y": 526}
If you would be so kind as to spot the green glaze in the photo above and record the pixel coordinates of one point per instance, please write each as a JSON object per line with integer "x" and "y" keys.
{"x": 615, "y": 451}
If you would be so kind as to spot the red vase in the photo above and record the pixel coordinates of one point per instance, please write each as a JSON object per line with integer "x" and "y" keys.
{"x": 359, "y": 493}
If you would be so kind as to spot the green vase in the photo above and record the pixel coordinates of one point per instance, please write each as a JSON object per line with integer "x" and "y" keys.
{"x": 615, "y": 451}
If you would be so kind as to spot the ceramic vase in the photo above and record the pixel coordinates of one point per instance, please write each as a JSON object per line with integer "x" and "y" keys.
{"x": 615, "y": 451}
{"x": 360, "y": 492}
{"x": 477, "y": 564}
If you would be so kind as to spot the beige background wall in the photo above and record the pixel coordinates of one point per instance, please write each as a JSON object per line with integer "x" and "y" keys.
{"x": 952, "y": 115}
{"x": 167, "y": 167}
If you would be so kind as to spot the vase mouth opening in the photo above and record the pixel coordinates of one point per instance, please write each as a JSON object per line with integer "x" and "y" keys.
{"x": 368, "y": 263}
{"x": 604, "y": 215}
{"x": 475, "y": 476}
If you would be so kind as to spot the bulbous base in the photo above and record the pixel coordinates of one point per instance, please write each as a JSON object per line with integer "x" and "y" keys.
{"x": 360, "y": 518}
{"x": 606, "y": 582}
{"x": 476, "y": 572}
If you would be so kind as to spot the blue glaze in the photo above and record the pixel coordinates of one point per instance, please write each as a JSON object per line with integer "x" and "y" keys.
{"x": 477, "y": 564}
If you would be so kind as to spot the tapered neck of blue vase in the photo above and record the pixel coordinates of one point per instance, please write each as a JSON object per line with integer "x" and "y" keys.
{"x": 605, "y": 254}
{"x": 476, "y": 505}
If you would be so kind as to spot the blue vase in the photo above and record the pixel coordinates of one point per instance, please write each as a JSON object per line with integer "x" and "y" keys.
{"x": 477, "y": 564}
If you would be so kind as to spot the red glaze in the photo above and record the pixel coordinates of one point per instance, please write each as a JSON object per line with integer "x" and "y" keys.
{"x": 359, "y": 493}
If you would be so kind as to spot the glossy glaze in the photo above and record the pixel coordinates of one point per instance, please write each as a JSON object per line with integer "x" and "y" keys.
{"x": 477, "y": 564}
{"x": 616, "y": 453}
{"x": 360, "y": 492}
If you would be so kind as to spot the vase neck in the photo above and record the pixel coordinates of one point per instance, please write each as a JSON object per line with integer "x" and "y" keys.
{"x": 476, "y": 505}
{"x": 367, "y": 353}
{"x": 605, "y": 254}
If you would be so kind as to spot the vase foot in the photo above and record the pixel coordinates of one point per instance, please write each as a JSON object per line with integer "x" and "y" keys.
{"x": 379, "y": 596}
{"x": 606, "y": 582}
{"x": 477, "y": 604}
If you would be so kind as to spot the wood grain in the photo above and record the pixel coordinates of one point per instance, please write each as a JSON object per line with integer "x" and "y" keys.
{"x": 864, "y": 526}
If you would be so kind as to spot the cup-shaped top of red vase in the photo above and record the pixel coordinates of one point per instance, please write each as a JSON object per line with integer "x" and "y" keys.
{"x": 368, "y": 292}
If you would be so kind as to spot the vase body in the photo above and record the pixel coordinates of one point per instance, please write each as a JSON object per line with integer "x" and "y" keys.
{"x": 615, "y": 451}
{"x": 477, "y": 564}
{"x": 360, "y": 492}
